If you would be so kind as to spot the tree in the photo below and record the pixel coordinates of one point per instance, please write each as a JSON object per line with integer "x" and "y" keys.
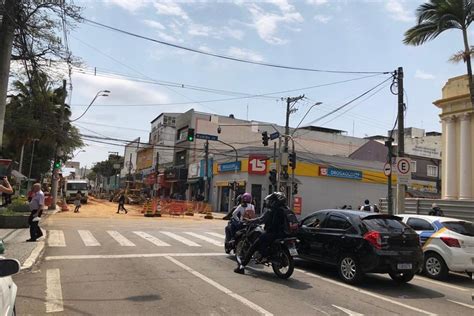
{"x": 437, "y": 16}
{"x": 106, "y": 168}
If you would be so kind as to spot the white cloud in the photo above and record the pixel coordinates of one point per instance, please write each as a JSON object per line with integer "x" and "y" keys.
{"x": 419, "y": 74}
{"x": 234, "y": 33}
{"x": 244, "y": 54}
{"x": 170, "y": 8}
{"x": 322, "y": 18}
{"x": 317, "y": 2}
{"x": 154, "y": 24}
{"x": 398, "y": 12}
{"x": 199, "y": 30}
{"x": 169, "y": 38}
{"x": 129, "y": 5}
{"x": 206, "y": 49}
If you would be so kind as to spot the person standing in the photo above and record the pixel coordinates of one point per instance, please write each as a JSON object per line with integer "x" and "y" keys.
{"x": 436, "y": 210}
{"x": 121, "y": 203}
{"x": 367, "y": 207}
{"x": 77, "y": 201}
{"x": 36, "y": 208}
{"x": 5, "y": 187}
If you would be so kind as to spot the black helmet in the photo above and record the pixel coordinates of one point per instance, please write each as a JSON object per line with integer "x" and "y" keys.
{"x": 275, "y": 200}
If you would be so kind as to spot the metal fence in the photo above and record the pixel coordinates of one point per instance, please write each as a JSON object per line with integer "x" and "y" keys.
{"x": 451, "y": 208}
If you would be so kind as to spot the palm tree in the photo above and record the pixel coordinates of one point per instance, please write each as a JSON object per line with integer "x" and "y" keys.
{"x": 437, "y": 16}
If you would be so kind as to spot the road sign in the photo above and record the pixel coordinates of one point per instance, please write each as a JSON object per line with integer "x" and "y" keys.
{"x": 387, "y": 169}
{"x": 116, "y": 166}
{"x": 257, "y": 165}
{"x": 403, "y": 170}
{"x": 274, "y": 135}
{"x": 205, "y": 136}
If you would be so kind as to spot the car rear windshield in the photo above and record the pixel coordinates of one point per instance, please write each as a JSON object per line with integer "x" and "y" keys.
{"x": 76, "y": 186}
{"x": 384, "y": 224}
{"x": 463, "y": 228}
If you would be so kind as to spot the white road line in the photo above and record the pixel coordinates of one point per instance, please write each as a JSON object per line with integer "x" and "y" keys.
{"x": 462, "y": 304}
{"x": 379, "y": 297}
{"x": 152, "y": 239}
{"x": 216, "y": 235}
{"x": 442, "y": 284}
{"x": 33, "y": 256}
{"x": 54, "y": 293}
{"x": 138, "y": 255}
{"x": 221, "y": 288}
{"x": 56, "y": 238}
{"x": 88, "y": 239}
{"x": 348, "y": 311}
{"x": 181, "y": 239}
{"x": 120, "y": 239}
{"x": 206, "y": 239}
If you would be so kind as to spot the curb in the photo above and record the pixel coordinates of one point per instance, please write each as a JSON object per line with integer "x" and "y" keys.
{"x": 35, "y": 254}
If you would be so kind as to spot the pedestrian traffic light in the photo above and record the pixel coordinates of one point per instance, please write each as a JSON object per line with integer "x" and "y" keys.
{"x": 190, "y": 134}
{"x": 293, "y": 160}
{"x": 273, "y": 177}
{"x": 295, "y": 188}
{"x": 265, "y": 138}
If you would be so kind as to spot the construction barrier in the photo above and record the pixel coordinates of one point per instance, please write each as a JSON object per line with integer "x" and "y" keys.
{"x": 181, "y": 208}
{"x": 147, "y": 209}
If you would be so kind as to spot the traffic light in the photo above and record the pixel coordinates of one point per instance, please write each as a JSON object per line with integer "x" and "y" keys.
{"x": 273, "y": 177}
{"x": 295, "y": 188}
{"x": 265, "y": 138}
{"x": 293, "y": 160}
{"x": 57, "y": 164}
{"x": 190, "y": 134}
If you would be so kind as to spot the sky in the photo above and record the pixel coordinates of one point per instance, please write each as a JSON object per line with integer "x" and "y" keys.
{"x": 346, "y": 35}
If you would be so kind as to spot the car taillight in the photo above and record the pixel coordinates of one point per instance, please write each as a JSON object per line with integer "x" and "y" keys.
{"x": 374, "y": 239}
{"x": 451, "y": 242}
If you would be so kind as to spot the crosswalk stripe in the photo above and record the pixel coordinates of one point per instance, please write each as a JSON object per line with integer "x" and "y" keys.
{"x": 185, "y": 241}
{"x": 56, "y": 238}
{"x": 54, "y": 293}
{"x": 206, "y": 239}
{"x": 216, "y": 235}
{"x": 120, "y": 239}
{"x": 88, "y": 239}
{"x": 152, "y": 239}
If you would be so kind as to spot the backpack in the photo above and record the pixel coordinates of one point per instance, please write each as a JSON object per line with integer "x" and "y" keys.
{"x": 291, "y": 223}
{"x": 366, "y": 208}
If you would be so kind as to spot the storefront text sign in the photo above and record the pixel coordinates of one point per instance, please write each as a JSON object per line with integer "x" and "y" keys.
{"x": 297, "y": 205}
{"x": 228, "y": 166}
{"x": 257, "y": 164}
{"x": 340, "y": 173}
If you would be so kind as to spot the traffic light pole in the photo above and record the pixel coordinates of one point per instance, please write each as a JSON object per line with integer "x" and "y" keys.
{"x": 401, "y": 140}
{"x": 206, "y": 172}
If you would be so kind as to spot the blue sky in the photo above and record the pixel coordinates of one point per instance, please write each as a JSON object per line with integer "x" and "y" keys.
{"x": 347, "y": 35}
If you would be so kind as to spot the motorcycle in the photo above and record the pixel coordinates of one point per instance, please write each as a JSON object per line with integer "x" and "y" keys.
{"x": 229, "y": 245}
{"x": 280, "y": 255}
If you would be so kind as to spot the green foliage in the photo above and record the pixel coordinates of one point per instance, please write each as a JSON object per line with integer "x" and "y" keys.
{"x": 106, "y": 168}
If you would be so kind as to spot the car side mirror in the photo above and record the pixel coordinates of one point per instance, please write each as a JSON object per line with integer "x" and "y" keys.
{"x": 9, "y": 267}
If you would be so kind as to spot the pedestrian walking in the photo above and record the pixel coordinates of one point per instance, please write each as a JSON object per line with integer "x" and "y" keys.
{"x": 436, "y": 210}
{"x": 367, "y": 207}
{"x": 77, "y": 201}
{"x": 121, "y": 203}
{"x": 36, "y": 207}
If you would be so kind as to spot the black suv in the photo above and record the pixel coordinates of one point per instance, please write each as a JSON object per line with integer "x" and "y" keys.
{"x": 361, "y": 242}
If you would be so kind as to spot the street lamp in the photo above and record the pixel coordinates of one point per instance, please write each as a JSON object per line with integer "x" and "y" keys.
{"x": 101, "y": 93}
{"x": 80, "y": 151}
{"x": 307, "y": 112}
{"x": 31, "y": 161}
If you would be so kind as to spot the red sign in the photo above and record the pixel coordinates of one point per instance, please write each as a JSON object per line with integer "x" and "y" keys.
{"x": 257, "y": 164}
{"x": 297, "y": 205}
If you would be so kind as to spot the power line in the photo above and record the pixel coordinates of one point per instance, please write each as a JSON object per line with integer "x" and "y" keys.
{"x": 229, "y": 57}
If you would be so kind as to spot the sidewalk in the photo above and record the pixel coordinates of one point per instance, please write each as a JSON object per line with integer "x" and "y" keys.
{"x": 16, "y": 246}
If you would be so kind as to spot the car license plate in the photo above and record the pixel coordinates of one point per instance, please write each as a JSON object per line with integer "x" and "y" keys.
{"x": 293, "y": 251}
{"x": 404, "y": 266}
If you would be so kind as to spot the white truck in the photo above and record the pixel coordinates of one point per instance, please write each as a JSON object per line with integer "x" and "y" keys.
{"x": 71, "y": 187}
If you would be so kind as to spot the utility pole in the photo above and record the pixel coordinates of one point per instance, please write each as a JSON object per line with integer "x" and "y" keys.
{"x": 157, "y": 172}
{"x": 388, "y": 144}
{"x": 284, "y": 160}
{"x": 55, "y": 173}
{"x": 31, "y": 163}
{"x": 7, "y": 28}
{"x": 206, "y": 172}
{"x": 401, "y": 139}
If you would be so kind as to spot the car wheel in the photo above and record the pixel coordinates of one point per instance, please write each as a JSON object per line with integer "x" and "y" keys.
{"x": 349, "y": 270}
{"x": 402, "y": 277}
{"x": 434, "y": 266}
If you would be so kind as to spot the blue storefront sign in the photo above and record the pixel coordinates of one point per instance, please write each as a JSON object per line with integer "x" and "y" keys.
{"x": 341, "y": 173}
{"x": 202, "y": 169}
{"x": 229, "y": 166}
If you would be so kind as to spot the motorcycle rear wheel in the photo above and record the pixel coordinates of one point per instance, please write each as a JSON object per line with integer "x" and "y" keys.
{"x": 283, "y": 264}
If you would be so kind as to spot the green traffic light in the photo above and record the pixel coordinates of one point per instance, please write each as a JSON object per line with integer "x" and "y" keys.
{"x": 190, "y": 138}
{"x": 57, "y": 165}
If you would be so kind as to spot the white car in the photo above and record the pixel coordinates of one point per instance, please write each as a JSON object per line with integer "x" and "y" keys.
{"x": 448, "y": 244}
{"x": 8, "y": 289}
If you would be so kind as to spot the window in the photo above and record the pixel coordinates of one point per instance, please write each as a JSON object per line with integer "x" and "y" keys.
{"x": 336, "y": 222}
{"x": 383, "y": 224}
{"x": 432, "y": 171}
{"x": 413, "y": 166}
{"x": 463, "y": 228}
{"x": 182, "y": 133}
{"x": 419, "y": 224}
{"x": 181, "y": 158}
{"x": 315, "y": 220}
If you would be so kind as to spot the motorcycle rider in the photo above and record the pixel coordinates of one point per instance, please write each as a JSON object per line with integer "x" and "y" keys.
{"x": 244, "y": 211}
{"x": 274, "y": 220}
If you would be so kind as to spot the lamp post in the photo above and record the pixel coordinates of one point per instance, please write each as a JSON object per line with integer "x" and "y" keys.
{"x": 307, "y": 112}
{"x": 31, "y": 163}
{"x": 101, "y": 93}
{"x": 80, "y": 151}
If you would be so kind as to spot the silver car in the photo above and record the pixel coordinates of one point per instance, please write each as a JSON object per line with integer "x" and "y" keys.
{"x": 8, "y": 288}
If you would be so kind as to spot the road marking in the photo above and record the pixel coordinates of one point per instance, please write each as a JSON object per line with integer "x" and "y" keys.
{"x": 56, "y": 238}
{"x": 462, "y": 304}
{"x": 133, "y": 255}
{"x": 88, "y": 239}
{"x": 185, "y": 241}
{"x": 152, "y": 239}
{"x": 379, "y": 297}
{"x": 216, "y": 235}
{"x": 221, "y": 288}
{"x": 33, "y": 256}
{"x": 348, "y": 311}
{"x": 442, "y": 284}
{"x": 54, "y": 293}
{"x": 120, "y": 239}
{"x": 207, "y": 239}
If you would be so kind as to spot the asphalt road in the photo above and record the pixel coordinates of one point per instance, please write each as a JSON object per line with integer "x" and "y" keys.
{"x": 161, "y": 266}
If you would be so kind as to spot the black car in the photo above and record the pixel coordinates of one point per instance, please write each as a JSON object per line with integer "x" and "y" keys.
{"x": 361, "y": 242}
